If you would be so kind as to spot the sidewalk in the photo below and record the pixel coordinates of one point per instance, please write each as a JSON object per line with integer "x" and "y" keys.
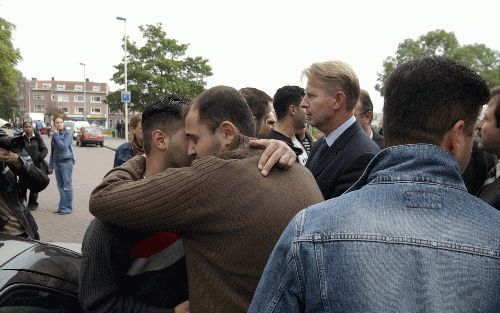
{"x": 112, "y": 143}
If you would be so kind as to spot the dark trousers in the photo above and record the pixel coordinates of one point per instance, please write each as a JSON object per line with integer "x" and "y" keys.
{"x": 33, "y": 198}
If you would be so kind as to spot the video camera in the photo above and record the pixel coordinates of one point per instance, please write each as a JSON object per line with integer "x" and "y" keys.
{"x": 14, "y": 144}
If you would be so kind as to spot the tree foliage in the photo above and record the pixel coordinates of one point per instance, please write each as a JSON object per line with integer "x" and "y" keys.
{"x": 160, "y": 66}
{"x": 52, "y": 111}
{"x": 9, "y": 75}
{"x": 479, "y": 57}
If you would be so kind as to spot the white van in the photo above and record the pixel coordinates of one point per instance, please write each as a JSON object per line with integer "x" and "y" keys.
{"x": 76, "y": 127}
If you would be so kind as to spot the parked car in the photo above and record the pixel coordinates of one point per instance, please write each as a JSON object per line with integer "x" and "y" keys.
{"x": 38, "y": 277}
{"x": 90, "y": 135}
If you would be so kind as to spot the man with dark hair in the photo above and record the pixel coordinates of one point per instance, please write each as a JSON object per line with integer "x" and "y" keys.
{"x": 260, "y": 104}
{"x": 340, "y": 157}
{"x": 490, "y": 141}
{"x": 363, "y": 112}
{"x": 138, "y": 271}
{"x": 228, "y": 214}
{"x": 407, "y": 237}
{"x": 291, "y": 117}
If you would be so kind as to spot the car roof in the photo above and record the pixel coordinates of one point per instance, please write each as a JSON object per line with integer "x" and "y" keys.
{"x": 35, "y": 256}
{"x": 11, "y": 246}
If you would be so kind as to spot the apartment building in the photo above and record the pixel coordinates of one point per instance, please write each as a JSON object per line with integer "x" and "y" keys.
{"x": 77, "y": 99}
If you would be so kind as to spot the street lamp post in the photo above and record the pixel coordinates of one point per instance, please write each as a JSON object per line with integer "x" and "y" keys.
{"x": 125, "y": 72}
{"x": 84, "y": 93}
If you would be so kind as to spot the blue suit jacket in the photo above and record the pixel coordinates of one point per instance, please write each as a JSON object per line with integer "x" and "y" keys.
{"x": 344, "y": 162}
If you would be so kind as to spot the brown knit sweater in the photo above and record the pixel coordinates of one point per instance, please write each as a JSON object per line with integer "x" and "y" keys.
{"x": 229, "y": 215}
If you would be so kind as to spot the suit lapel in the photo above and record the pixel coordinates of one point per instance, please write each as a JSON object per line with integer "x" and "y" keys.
{"x": 338, "y": 145}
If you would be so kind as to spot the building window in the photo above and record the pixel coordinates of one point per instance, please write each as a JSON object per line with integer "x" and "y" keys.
{"x": 32, "y": 85}
{"x": 38, "y": 96}
{"x": 79, "y": 110}
{"x": 96, "y": 110}
{"x": 96, "y": 88}
{"x": 62, "y": 98}
{"x": 65, "y": 110}
{"x": 95, "y": 99}
{"x": 79, "y": 98}
{"x": 53, "y": 97}
{"x": 39, "y": 107}
{"x": 61, "y": 87}
{"x": 47, "y": 85}
{"x": 78, "y": 87}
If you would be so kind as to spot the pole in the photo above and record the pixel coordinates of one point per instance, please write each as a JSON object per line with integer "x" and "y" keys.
{"x": 84, "y": 92}
{"x": 125, "y": 71}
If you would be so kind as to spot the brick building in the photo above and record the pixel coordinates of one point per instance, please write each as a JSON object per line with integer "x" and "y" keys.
{"x": 69, "y": 96}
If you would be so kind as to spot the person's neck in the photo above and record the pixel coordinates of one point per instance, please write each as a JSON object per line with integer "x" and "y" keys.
{"x": 154, "y": 165}
{"x": 285, "y": 127}
{"x": 336, "y": 122}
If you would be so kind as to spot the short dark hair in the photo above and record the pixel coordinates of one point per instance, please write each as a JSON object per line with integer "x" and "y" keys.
{"x": 286, "y": 96}
{"x": 425, "y": 97}
{"x": 366, "y": 101}
{"x": 223, "y": 103}
{"x": 495, "y": 91}
{"x": 166, "y": 114}
{"x": 258, "y": 101}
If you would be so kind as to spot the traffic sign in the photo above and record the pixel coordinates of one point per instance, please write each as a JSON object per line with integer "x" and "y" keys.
{"x": 126, "y": 96}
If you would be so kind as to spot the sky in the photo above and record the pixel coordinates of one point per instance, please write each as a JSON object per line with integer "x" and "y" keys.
{"x": 261, "y": 44}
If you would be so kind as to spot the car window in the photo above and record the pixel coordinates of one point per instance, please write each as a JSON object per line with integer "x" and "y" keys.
{"x": 31, "y": 299}
{"x": 93, "y": 131}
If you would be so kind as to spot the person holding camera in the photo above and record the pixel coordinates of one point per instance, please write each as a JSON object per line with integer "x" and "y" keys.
{"x": 61, "y": 161}
{"x": 34, "y": 145}
{"x": 17, "y": 174}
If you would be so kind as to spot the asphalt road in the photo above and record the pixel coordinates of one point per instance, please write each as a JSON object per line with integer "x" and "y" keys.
{"x": 91, "y": 164}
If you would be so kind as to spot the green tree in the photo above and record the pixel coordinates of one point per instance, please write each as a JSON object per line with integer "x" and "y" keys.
{"x": 9, "y": 75}
{"x": 479, "y": 57}
{"x": 160, "y": 66}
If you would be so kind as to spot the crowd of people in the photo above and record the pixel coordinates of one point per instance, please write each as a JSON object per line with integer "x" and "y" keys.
{"x": 226, "y": 203}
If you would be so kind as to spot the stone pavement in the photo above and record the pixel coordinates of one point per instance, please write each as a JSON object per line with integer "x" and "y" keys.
{"x": 112, "y": 143}
{"x": 91, "y": 164}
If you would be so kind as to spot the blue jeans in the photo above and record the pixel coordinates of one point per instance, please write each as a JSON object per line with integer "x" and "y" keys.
{"x": 63, "y": 172}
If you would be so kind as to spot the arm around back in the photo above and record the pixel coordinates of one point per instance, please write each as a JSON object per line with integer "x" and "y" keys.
{"x": 159, "y": 202}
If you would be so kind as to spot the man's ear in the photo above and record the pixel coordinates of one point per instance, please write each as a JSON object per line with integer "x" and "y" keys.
{"x": 457, "y": 142}
{"x": 453, "y": 138}
{"x": 228, "y": 131}
{"x": 292, "y": 109}
{"x": 340, "y": 100}
{"x": 160, "y": 140}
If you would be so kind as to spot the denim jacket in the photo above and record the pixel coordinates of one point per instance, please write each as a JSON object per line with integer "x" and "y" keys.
{"x": 123, "y": 153}
{"x": 61, "y": 149}
{"x": 407, "y": 237}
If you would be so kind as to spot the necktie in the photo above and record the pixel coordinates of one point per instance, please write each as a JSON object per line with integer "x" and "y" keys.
{"x": 323, "y": 147}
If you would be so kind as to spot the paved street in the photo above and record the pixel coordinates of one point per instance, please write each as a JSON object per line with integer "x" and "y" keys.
{"x": 92, "y": 163}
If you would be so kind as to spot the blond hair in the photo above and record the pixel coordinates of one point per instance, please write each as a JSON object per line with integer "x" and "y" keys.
{"x": 336, "y": 75}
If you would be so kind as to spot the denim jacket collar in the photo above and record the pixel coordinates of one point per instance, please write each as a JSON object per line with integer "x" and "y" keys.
{"x": 412, "y": 163}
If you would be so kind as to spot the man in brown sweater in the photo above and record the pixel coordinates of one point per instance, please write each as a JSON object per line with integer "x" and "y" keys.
{"x": 228, "y": 214}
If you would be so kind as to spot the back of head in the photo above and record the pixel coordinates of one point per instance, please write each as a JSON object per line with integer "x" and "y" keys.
{"x": 167, "y": 114}
{"x": 336, "y": 76}
{"x": 135, "y": 120}
{"x": 223, "y": 103}
{"x": 286, "y": 96}
{"x": 258, "y": 101}
{"x": 424, "y": 98}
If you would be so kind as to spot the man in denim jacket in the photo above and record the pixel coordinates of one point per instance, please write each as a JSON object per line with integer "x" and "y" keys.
{"x": 407, "y": 237}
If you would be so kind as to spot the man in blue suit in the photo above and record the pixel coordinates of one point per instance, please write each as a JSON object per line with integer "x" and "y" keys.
{"x": 340, "y": 157}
